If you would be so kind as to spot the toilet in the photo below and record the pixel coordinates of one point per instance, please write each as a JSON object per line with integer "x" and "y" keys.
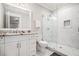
{"x": 41, "y": 46}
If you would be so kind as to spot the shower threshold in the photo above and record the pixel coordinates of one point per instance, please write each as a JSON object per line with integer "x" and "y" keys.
{"x": 56, "y": 53}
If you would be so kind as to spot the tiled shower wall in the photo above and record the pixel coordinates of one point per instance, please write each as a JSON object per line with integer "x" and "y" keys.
{"x": 54, "y": 30}
{"x": 68, "y": 35}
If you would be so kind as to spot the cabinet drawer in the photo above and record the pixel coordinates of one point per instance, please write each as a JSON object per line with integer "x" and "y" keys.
{"x": 11, "y": 43}
{"x": 23, "y": 37}
{"x": 9, "y": 39}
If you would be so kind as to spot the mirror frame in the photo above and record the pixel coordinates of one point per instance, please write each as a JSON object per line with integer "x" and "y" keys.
{"x": 19, "y": 7}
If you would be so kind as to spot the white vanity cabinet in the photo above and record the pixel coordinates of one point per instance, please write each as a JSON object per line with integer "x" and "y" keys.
{"x": 2, "y": 46}
{"x": 15, "y": 45}
{"x": 18, "y": 45}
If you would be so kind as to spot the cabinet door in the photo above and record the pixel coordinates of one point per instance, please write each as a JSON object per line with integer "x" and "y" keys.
{"x": 2, "y": 46}
{"x": 9, "y": 39}
{"x": 49, "y": 27}
{"x": 22, "y": 48}
{"x": 32, "y": 46}
{"x": 11, "y": 49}
{"x": 27, "y": 46}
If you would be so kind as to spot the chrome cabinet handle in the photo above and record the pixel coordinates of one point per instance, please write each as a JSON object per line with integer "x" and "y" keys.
{"x": 18, "y": 45}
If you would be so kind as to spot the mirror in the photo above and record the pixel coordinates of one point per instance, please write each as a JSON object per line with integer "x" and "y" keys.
{"x": 14, "y": 17}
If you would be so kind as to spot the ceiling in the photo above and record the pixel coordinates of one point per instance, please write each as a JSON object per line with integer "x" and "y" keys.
{"x": 54, "y": 6}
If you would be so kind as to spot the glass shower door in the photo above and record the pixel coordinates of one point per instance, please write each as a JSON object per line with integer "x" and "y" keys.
{"x": 49, "y": 30}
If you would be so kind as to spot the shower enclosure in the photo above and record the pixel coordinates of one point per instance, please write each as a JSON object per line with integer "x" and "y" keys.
{"x": 61, "y": 28}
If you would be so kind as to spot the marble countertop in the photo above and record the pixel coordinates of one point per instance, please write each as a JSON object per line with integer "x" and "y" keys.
{"x": 9, "y": 32}
{"x": 12, "y": 34}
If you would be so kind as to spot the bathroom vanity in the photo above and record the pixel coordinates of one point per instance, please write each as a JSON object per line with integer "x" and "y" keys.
{"x": 16, "y": 37}
{"x": 17, "y": 44}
